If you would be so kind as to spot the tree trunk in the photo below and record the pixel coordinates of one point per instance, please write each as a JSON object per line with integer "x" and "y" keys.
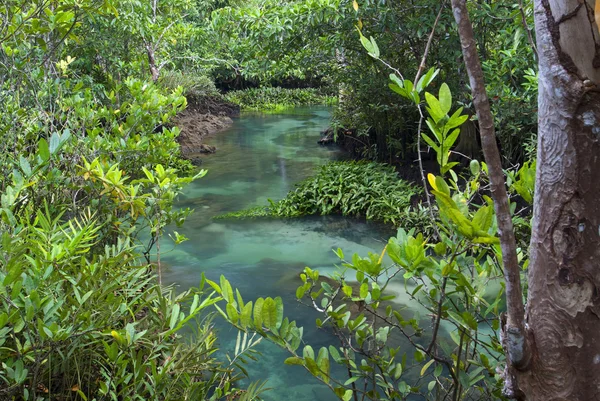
{"x": 152, "y": 62}
{"x": 563, "y": 305}
{"x": 515, "y": 343}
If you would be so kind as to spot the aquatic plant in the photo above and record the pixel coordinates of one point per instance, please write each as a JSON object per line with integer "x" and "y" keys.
{"x": 277, "y": 99}
{"x": 351, "y": 188}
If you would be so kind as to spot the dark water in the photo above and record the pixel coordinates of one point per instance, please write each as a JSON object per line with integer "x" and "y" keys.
{"x": 261, "y": 157}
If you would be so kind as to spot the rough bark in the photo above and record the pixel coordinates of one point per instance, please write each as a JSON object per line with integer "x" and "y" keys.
{"x": 514, "y": 330}
{"x": 152, "y": 62}
{"x": 563, "y": 304}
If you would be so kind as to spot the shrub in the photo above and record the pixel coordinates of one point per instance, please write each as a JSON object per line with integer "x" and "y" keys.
{"x": 74, "y": 322}
{"x": 193, "y": 85}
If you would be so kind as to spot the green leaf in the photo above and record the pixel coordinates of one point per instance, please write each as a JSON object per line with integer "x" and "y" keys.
{"x": 174, "y": 316}
{"x": 366, "y": 42}
{"x": 396, "y": 79}
{"x": 430, "y": 142}
{"x": 441, "y": 186}
{"x": 258, "y": 309}
{"x": 456, "y": 119}
{"x": 312, "y": 366}
{"x": 445, "y": 99}
{"x": 294, "y": 360}
{"x": 25, "y": 166}
{"x": 278, "y": 312}
{"x": 426, "y": 79}
{"x": 364, "y": 290}
{"x": 475, "y": 167}
{"x": 246, "y": 316}
{"x": 269, "y": 313}
{"x": 450, "y": 139}
{"x": 401, "y": 91}
{"x": 300, "y": 291}
{"x": 424, "y": 368}
{"x": 3, "y": 319}
{"x": 434, "y": 107}
{"x": 227, "y": 291}
{"x": 398, "y": 371}
{"x": 323, "y": 363}
{"x": 375, "y": 52}
{"x": 232, "y": 313}
{"x": 469, "y": 320}
{"x": 43, "y": 150}
{"x": 54, "y": 143}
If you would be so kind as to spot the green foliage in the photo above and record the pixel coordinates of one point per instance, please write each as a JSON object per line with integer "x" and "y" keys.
{"x": 79, "y": 323}
{"x": 391, "y": 352}
{"x": 510, "y": 69}
{"x": 443, "y": 127}
{"x": 194, "y": 85}
{"x": 455, "y": 277}
{"x": 90, "y": 168}
{"x": 278, "y": 99}
{"x": 359, "y": 189}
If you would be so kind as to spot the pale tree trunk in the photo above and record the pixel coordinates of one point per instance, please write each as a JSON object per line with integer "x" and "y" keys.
{"x": 563, "y": 305}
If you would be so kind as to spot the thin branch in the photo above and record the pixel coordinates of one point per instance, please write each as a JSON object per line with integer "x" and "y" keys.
{"x": 426, "y": 52}
{"x": 518, "y": 351}
{"x": 529, "y": 34}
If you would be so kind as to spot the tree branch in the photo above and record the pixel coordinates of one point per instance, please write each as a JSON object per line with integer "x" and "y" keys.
{"x": 517, "y": 346}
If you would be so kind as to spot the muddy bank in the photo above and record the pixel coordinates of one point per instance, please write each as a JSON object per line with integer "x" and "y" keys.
{"x": 202, "y": 117}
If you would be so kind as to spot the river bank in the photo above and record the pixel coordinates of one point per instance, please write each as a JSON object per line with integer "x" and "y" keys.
{"x": 203, "y": 116}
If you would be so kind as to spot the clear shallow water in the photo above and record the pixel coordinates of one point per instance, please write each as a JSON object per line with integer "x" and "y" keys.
{"x": 261, "y": 157}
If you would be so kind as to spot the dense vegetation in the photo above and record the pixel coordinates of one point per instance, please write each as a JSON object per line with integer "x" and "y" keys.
{"x": 278, "y": 99}
{"x": 361, "y": 189}
{"x": 91, "y": 168}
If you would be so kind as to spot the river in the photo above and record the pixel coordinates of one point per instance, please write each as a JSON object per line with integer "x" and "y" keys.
{"x": 261, "y": 157}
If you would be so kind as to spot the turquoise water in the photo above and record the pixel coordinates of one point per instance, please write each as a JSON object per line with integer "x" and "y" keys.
{"x": 261, "y": 157}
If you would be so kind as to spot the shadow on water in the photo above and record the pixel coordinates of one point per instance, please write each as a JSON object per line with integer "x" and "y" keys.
{"x": 262, "y": 157}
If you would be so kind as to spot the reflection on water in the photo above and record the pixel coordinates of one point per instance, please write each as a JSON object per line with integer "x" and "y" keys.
{"x": 261, "y": 157}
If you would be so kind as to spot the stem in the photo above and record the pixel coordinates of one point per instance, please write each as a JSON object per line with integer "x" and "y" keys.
{"x": 427, "y": 195}
{"x": 517, "y": 345}
{"x": 456, "y": 394}
{"x": 158, "y": 260}
{"x": 426, "y": 52}
{"x": 438, "y": 317}
{"x": 529, "y": 35}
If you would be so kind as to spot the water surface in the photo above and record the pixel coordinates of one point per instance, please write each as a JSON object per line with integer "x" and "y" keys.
{"x": 262, "y": 157}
